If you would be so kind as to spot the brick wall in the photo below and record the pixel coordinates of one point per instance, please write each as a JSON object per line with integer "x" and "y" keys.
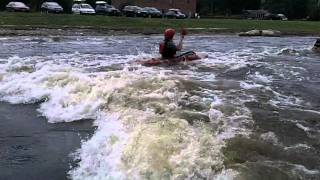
{"x": 186, "y": 6}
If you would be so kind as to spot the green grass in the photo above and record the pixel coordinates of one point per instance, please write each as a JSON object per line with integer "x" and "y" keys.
{"x": 61, "y": 20}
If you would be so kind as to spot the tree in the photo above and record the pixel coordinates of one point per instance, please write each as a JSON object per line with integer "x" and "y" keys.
{"x": 237, "y": 6}
{"x": 211, "y": 7}
{"x": 314, "y": 9}
{"x": 66, "y": 4}
{"x": 3, "y": 4}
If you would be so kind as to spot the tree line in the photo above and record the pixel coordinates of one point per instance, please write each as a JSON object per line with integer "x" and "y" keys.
{"x": 293, "y": 9}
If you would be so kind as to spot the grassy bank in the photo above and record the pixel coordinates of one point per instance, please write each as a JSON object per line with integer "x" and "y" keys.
{"x": 20, "y": 20}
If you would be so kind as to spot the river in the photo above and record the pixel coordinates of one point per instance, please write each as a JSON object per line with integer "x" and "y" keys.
{"x": 80, "y": 108}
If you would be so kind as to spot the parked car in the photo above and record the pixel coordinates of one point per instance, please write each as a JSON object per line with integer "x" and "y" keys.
{"x": 271, "y": 16}
{"x": 149, "y": 11}
{"x": 83, "y": 9}
{"x": 175, "y": 13}
{"x": 51, "y": 7}
{"x": 131, "y": 11}
{"x": 283, "y": 17}
{"x": 143, "y": 12}
{"x": 103, "y": 8}
{"x": 17, "y": 6}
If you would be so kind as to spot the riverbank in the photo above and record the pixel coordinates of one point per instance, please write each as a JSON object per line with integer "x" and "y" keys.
{"x": 37, "y": 24}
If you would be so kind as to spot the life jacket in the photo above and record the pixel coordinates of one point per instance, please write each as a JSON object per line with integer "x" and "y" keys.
{"x": 167, "y": 49}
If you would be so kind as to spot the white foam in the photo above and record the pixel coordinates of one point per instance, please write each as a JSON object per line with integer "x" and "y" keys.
{"x": 228, "y": 174}
{"x": 233, "y": 60}
{"x": 298, "y": 146}
{"x": 100, "y": 157}
{"x": 310, "y": 111}
{"x": 216, "y": 102}
{"x": 302, "y": 168}
{"x": 258, "y": 78}
{"x": 270, "y": 137}
{"x": 283, "y": 100}
{"x": 246, "y": 85}
{"x": 304, "y": 128}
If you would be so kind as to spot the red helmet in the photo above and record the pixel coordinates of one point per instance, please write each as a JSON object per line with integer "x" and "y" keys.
{"x": 169, "y": 33}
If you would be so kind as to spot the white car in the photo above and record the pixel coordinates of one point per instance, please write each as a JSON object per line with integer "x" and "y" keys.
{"x": 17, "y": 6}
{"x": 283, "y": 17}
{"x": 83, "y": 9}
{"x": 175, "y": 13}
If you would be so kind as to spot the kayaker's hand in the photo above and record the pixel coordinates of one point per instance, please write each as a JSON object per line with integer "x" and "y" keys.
{"x": 183, "y": 32}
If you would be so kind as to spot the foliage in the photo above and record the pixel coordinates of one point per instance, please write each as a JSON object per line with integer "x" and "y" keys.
{"x": 294, "y": 9}
{"x": 226, "y": 6}
{"x": 314, "y": 10}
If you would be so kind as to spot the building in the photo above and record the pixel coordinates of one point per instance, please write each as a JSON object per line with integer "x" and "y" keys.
{"x": 186, "y": 6}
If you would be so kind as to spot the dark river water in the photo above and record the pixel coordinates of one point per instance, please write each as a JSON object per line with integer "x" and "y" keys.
{"x": 81, "y": 108}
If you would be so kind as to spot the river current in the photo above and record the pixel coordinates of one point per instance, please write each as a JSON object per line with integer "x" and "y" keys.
{"x": 251, "y": 110}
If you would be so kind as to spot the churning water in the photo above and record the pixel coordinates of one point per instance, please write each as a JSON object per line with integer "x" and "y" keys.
{"x": 249, "y": 111}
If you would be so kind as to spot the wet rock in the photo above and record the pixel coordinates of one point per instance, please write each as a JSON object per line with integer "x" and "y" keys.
{"x": 267, "y": 33}
{"x": 251, "y": 33}
{"x": 271, "y": 33}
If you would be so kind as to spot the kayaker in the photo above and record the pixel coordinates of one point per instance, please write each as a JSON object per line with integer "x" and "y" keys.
{"x": 168, "y": 49}
{"x": 316, "y": 47}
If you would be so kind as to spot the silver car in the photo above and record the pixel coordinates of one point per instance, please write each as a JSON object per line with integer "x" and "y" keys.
{"x": 83, "y": 9}
{"x": 175, "y": 13}
{"x": 17, "y": 6}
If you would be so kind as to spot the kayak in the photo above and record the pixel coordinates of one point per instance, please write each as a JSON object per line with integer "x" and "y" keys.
{"x": 174, "y": 61}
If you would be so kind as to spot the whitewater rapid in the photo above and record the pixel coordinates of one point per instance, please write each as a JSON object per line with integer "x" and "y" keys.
{"x": 152, "y": 122}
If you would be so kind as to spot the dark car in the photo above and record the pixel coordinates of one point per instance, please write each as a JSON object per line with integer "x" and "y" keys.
{"x": 17, "y": 6}
{"x": 103, "y": 8}
{"x": 143, "y": 12}
{"x": 51, "y": 7}
{"x": 175, "y": 13}
{"x": 131, "y": 11}
{"x": 149, "y": 12}
{"x": 270, "y": 16}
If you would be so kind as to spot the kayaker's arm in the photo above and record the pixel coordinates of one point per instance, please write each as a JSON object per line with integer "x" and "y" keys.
{"x": 180, "y": 45}
{"x": 182, "y": 34}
